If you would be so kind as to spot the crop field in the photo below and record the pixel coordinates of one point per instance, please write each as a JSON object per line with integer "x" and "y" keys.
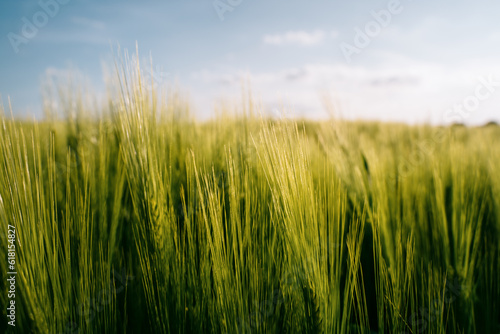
{"x": 132, "y": 216}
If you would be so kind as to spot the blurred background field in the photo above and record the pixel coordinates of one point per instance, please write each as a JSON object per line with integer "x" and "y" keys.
{"x": 134, "y": 216}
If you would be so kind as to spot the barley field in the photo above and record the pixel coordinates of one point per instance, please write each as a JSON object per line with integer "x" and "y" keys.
{"x": 132, "y": 216}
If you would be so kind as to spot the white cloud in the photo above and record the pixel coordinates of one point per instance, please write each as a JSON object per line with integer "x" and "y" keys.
{"x": 302, "y": 38}
{"x": 404, "y": 90}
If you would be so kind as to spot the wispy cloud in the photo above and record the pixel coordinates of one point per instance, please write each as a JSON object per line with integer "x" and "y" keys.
{"x": 301, "y": 38}
{"x": 402, "y": 90}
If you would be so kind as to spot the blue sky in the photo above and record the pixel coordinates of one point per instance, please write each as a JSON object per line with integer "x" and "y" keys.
{"x": 418, "y": 61}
